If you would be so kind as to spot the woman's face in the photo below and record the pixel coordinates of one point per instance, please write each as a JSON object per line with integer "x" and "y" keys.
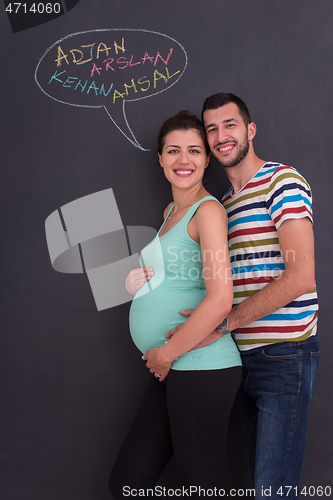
{"x": 184, "y": 158}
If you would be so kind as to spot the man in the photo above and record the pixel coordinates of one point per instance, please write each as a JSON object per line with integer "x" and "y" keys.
{"x": 274, "y": 319}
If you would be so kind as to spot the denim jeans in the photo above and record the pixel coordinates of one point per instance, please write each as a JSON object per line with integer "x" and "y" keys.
{"x": 278, "y": 383}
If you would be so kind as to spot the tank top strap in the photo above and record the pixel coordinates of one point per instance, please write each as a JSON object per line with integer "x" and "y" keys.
{"x": 166, "y": 218}
{"x": 191, "y": 211}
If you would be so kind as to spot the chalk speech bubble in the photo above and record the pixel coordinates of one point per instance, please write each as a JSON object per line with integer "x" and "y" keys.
{"x": 104, "y": 68}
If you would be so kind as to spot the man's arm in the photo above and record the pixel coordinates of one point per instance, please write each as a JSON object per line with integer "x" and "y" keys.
{"x": 297, "y": 247}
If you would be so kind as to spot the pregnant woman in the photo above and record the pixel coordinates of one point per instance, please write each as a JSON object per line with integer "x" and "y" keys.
{"x": 186, "y": 407}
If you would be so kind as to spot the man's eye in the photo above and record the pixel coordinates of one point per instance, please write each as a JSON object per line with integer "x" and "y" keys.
{"x": 211, "y": 130}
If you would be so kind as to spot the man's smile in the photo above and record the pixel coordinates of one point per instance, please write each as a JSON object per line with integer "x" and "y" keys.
{"x": 223, "y": 148}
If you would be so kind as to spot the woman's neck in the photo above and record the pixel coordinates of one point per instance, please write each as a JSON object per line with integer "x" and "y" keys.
{"x": 183, "y": 197}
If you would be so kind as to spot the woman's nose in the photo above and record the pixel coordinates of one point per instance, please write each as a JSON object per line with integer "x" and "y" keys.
{"x": 183, "y": 158}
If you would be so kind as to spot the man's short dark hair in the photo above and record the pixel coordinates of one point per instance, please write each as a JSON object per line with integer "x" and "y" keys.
{"x": 217, "y": 100}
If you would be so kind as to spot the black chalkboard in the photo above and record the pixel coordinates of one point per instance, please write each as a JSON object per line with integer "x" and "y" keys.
{"x": 85, "y": 87}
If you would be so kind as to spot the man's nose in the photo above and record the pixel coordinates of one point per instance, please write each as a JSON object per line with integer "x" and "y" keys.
{"x": 222, "y": 134}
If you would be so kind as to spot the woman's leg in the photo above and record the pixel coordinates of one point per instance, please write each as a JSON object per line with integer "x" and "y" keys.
{"x": 147, "y": 448}
{"x": 199, "y": 404}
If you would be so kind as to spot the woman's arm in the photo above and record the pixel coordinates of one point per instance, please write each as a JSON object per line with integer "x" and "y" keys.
{"x": 210, "y": 222}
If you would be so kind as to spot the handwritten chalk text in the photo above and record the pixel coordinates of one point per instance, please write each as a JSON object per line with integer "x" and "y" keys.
{"x": 79, "y": 56}
{"x": 142, "y": 84}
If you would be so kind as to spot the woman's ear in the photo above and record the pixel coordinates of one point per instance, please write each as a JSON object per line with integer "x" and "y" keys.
{"x": 208, "y": 160}
{"x": 160, "y": 159}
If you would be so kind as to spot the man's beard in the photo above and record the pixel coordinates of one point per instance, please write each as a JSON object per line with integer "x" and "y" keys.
{"x": 242, "y": 152}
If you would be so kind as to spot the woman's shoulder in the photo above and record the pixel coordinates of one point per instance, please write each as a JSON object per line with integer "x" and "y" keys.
{"x": 210, "y": 206}
{"x": 209, "y": 217}
{"x": 166, "y": 211}
{"x": 210, "y": 214}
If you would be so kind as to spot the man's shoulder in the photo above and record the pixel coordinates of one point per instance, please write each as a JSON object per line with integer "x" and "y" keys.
{"x": 262, "y": 177}
{"x": 271, "y": 176}
{"x": 284, "y": 174}
{"x": 274, "y": 169}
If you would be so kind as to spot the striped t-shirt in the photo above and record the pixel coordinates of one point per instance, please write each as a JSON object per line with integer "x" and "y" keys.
{"x": 276, "y": 193}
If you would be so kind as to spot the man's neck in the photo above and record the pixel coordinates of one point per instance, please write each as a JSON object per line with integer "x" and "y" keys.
{"x": 240, "y": 174}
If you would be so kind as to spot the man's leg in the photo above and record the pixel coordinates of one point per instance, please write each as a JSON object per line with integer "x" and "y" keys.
{"x": 147, "y": 447}
{"x": 280, "y": 380}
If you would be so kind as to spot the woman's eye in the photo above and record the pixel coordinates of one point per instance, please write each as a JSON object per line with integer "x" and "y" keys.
{"x": 194, "y": 151}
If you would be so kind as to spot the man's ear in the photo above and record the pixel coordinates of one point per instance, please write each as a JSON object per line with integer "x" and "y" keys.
{"x": 251, "y": 131}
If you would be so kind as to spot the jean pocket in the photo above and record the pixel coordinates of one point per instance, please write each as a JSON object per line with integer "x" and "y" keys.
{"x": 314, "y": 369}
{"x": 281, "y": 352}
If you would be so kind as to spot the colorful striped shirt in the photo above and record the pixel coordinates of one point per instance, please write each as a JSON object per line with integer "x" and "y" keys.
{"x": 276, "y": 193}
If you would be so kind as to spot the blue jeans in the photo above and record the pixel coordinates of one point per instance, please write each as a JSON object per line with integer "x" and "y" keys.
{"x": 274, "y": 399}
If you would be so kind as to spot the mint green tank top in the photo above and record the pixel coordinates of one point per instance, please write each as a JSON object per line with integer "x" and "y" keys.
{"x": 177, "y": 284}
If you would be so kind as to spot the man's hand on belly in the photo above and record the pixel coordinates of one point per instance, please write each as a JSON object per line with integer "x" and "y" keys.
{"x": 212, "y": 337}
{"x": 158, "y": 362}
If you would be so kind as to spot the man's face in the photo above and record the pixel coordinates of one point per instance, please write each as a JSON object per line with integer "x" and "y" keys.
{"x": 227, "y": 134}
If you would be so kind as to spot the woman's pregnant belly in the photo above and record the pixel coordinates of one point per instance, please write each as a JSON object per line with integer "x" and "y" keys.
{"x": 152, "y": 315}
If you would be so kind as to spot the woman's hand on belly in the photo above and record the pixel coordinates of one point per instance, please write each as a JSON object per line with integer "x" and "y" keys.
{"x": 137, "y": 278}
{"x": 158, "y": 362}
